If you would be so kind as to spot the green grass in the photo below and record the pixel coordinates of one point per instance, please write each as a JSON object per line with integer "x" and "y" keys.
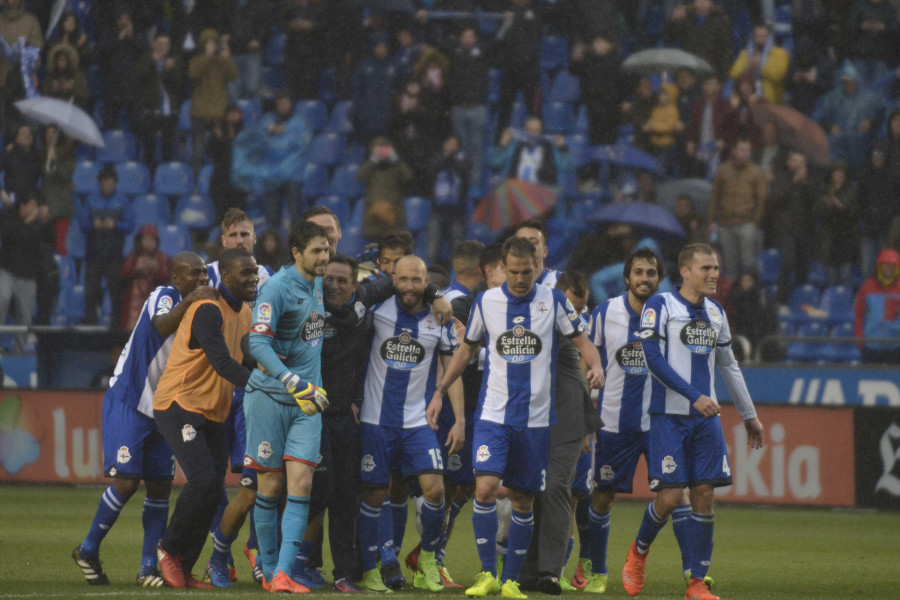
{"x": 761, "y": 552}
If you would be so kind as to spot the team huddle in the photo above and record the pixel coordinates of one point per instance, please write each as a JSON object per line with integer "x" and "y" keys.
{"x": 480, "y": 390}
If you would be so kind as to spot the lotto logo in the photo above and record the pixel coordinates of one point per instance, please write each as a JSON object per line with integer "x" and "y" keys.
{"x": 483, "y": 454}
{"x": 248, "y": 461}
{"x": 265, "y": 450}
{"x": 123, "y": 456}
{"x": 654, "y": 485}
{"x": 368, "y": 463}
{"x": 668, "y": 465}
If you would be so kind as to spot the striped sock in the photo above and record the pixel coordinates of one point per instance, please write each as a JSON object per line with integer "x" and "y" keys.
{"x": 598, "y": 531}
{"x": 521, "y": 528}
{"x": 154, "y": 517}
{"x": 651, "y": 525}
{"x": 484, "y": 522}
{"x": 432, "y": 523}
{"x": 367, "y": 526}
{"x": 701, "y": 544}
{"x": 108, "y": 510}
{"x": 681, "y": 518}
{"x": 221, "y": 546}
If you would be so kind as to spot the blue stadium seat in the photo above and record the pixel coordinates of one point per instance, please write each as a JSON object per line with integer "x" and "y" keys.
{"x": 806, "y": 351}
{"x": 339, "y": 121}
{"x": 493, "y": 93}
{"x": 173, "y": 179}
{"x": 174, "y": 238}
{"x": 204, "y": 178}
{"x": 195, "y": 211}
{"x": 315, "y": 180}
{"x": 356, "y": 154}
{"x": 582, "y": 125}
{"x": 85, "y": 177}
{"x": 768, "y": 265}
{"x": 251, "y": 108}
{"x": 418, "y": 210}
{"x": 579, "y": 149}
{"x": 74, "y": 304}
{"x": 817, "y": 275}
{"x": 326, "y": 91}
{"x": 344, "y": 183}
{"x": 519, "y": 113}
{"x": 339, "y": 205}
{"x": 184, "y": 117}
{"x": 150, "y": 208}
{"x": 841, "y": 352}
{"x": 352, "y": 240}
{"x": 837, "y": 301}
{"x": 565, "y": 88}
{"x": 275, "y": 49}
{"x": 356, "y": 214}
{"x": 554, "y": 52}
{"x": 134, "y": 178}
{"x": 559, "y": 117}
{"x": 328, "y": 149}
{"x": 75, "y": 241}
{"x": 67, "y": 273}
{"x": 119, "y": 147}
{"x": 482, "y": 233}
{"x": 802, "y": 296}
{"x": 314, "y": 112}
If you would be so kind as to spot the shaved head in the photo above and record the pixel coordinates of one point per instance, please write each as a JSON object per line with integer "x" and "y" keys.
{"x": 413, "y": 262}
{"x": 188, "y": 271}
{"x": 410, "y": 278}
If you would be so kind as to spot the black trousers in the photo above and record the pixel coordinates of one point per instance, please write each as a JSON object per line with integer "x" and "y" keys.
{"x": 526, "y": 79}
{"x": 336, "y": 486}
{"x": 96, "y": 270}
{"x": 200, "y": 447}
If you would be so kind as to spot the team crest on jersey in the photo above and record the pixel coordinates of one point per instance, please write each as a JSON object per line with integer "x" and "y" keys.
{"x": 648, "y": 319}
{"x": 360, "y": 309}
{"x": 123, "y": 455}
{"x": 313, "y": 329}
{"x": 402, "y": 352}
{"x": 264, "y": 450}
{"x": 518, "y": 345}
{"x": 429, "y": 325}
{"x": 454, "y": 463}
{"x": 668, "y": 465}
{"x": 699, "y": 337}
{"x": 188, "y": 433}
{"x": 714, "y": 315}
{"x": 630, "y": 358}
{"x": 542, "y": 308}
{"x": 482, "y": 454}
{"x": 606, "y": 473}
{"x": 368, "y": 463}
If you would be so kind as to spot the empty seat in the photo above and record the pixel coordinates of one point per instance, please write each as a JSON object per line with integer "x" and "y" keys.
{"x": 173, "y": 179}
{"x": 134, "y": 178}
{"x": 119, "y": 146}
{"x": 315, "y": 180}
{"x": 195, "y": 211}
{"x": 344, "y": 183}
{"x": 204, "y": 178}
{"x": 768, "y": 265}
{"x": 554, "y": 52}
{"x": 339, "y": 205}
{"x": 840, "y": 352}
{"x": 340, "y": 121}
{"x": 801, "y": 297}
{"x": 76, "y": 243}
{"x": 314, "y": 112}
{"x": 579, "y": 149}
{"x": 807, "y": 351}
{"x": 275, "y": 49}
{"x": 559, "y": 117}
{"x": 494, "y": 77}
{"x": 174, "y": 238}
{"x": 837, "y": 301}
{"x": 85, "y": 177}
{"x": 251, "y": 108}
{"x": 418, "y": 209}
{"x": 565, "y": 88}
{"x": 328, "y": 149}
{"x": 150, "y": 208}
{"x": 352, "y": 240}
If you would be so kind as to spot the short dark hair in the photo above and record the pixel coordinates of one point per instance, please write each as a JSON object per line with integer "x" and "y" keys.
{"x": 533, "y": 224}
{"x": 439, "y": 276}
{"x": 519, "y": 247}
{"x": 647, "y": 254}
{"x": 490, "y": 255}
{"x": 572, "y": 280}
{"x": 400, "y": 239}
{"x": 108, "y": 172}
{"x": 686, "y": 256}
{"x": 315, "y": 211}
{"x": 302, "y": 234}
{"x": 229, "y": 257}
{"x": 466, "y": 256}
{"x": 343, "y": 259}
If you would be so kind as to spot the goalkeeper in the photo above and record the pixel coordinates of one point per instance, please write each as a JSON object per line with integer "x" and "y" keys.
{"x": 283, "y": 403}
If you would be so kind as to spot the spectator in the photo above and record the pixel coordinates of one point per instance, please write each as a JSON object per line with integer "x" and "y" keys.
{"x": 790, "y": 223}
{"x": 604, "y": 87}
{"x": 407, "y": 54}
{"x": 837, "y": 212}
{"x": 161, "y": 77}
{"x": 519, "y": 47}
{"x": 430, "y": 71}
{"x": 270, "y": 251}
{"x": 304, "y": 48}
{"x": 22, "y": 231}
{"x": 892, "y": 145}
{"x": 754, "y": 315}
{"x": 105, "y": 218}
{"x": 57, "y": 189}
{"x": 145, "y": 268}
{"x": 118, "y": 52}
{"x": 386, "y": 178}
{"x": 694, "y": 223}
{"x": 64, "y": 79}
{"x": 702, "y": 29}
{"x": 879, "y": 188}
{"x": 224, "y": 193}
{"x": 877, "y": 309}
{"x": 810, "y": 75}
{"x": 872, "y": 32}
{"x": 70, "y": 32}
{"x": 250, "y": 37}
{"x": 372, "y": 88}
{"x": 770, "y": 155}
{"x": 529, "y": 155}
{"x": 847, "y": 114}
{"x": 210, "y": 71}
{"x": 743, "y": 98}
{"x": 413, "y": 132}
{"x": 688, "y": 92}
{"x": 709, "y": 131}
{"x": 15, "y": 23}
{"x": 449, "y": 177}
{"x": 663, "y": 127}
{"x": 21, "y": 166}
{"x": 637, "y": 111}
{"x": 767, "y": 63}
{"x": 468, "y": 83}
{"x": 736, "y": 208}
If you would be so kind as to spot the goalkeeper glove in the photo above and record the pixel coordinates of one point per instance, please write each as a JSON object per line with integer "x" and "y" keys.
{"x": 311, "y": 398}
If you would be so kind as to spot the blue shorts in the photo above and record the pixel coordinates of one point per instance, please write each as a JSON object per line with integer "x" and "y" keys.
{"x": 278, "y": 432}
{"x": 132, "y": 446}
{"x": 581, "y": 482}
{"x": 518, "y": 455}
{"x": 413, "y": 451}
{"x": 687, "y": 451}
{"x": 458, "y": 467}
{"x": 616, "y": 457}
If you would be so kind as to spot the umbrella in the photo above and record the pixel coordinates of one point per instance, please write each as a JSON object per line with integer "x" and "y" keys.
{"x": 70, "y": 119}
{"x": 795, "y": 130}
{"x": 650, "y": 218}
{"x": 512, "y": 202}
{"x": 698, "y": 189}
{"x": 658, "y": 60}
{"x": 626, "y": 156}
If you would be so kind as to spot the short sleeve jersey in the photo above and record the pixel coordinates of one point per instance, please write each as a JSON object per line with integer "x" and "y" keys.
{"x": 402, "y": 371}
{"x": 521, "y": 336}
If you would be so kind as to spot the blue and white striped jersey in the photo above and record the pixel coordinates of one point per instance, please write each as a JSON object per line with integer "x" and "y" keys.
{"x": 625, "y": 397}
{"x": 456, "y": 290}
{"x": 144, "y": 356}
{"x": 215, "y": 277}
{"x": 679, "y": 340}
{"x": 402, "y": 371}
{"x": 548, "y": 278}
{"x": 521, "y": 336}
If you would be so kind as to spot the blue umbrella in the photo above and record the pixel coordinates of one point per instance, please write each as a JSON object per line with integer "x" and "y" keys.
{"x": 626, "y": 156}
{"x": 650, "y": 218}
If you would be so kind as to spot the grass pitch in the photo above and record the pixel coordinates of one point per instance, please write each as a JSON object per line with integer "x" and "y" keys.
{"x": 760, "y": 552}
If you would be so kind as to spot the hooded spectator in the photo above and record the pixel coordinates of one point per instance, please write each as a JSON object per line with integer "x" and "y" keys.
{"x": 64, "y": 79}
{"x": 57, "y": 189}
{"x": 710, "y": 128}
{"x": 468, "y": 88}
{"x": 754, "y": 316}
{"x": 872, "y": 32}
{"x": 70, "y": 32}
{"x": 145, "y": 268}
{"x": 637, "y": 110}
{"x": 414, "y": 133}
{"x": 221, "y": 150}
{"x": 161, "y": 77}
{"x": 21, "y": 165}
{"x": 877, "y": 309}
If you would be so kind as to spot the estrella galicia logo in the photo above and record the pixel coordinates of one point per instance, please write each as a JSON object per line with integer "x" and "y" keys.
{"x": 313, "y": 329}
{"x": 699, "y": 337}
{"x": 630, "y": 358}
{"x": 518, "y": 345}
{"x": 402, "y": 352}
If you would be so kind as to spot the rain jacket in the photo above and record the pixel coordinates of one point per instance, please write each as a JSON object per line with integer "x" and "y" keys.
{"x": 877, "y": 306}
{"x": 847, "y": 111}
{"x": 261, "y": 160}
{"x": 142, "y": 272}
{"x": 664, "y": 119}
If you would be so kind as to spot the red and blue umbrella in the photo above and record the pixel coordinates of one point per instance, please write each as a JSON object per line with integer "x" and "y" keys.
{"x": 512, "y": 202}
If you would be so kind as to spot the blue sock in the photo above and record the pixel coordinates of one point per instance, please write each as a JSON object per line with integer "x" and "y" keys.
{"x": 399, "y": 512}
{"x": 221, "y": 546}
{"x": 598, "y": 531}
{"x": 432, "y": 523}
{"x": 154, "y": 518}
{"x": 266, "y": 521}
{"x": 252, "y": 542}
{"x": 386, "y": 526}
{"x": 484, "y": 523}
{"x": 521, "y": 528}
{"x": 293, "y": 527}
{"x": 569, "y": 547}
{"x": 108, "y": 510}
{"x": 367, "y": 526}
{"x": 455, "y": 507}
{"x": 220, "y": 510}
{"x": 306, "y": 550}
{"x": 681, "y": 518}
{"x": 651, "y": 525}
{"x": 702, "y": 544}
